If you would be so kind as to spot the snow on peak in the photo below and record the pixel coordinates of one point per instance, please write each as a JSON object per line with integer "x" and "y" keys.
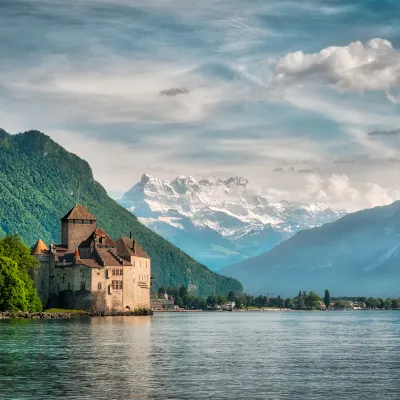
{"x": 183, "y": 184}
{"x": 223, "y": 205}
{"x": 237, "y": 180}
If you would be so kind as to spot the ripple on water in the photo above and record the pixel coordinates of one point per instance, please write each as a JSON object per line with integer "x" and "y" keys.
{"x": 349, "y": 355}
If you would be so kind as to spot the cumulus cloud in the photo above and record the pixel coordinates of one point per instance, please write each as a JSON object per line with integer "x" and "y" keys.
{"x": 357, "y": 67}
{"x": 339, "y": 189}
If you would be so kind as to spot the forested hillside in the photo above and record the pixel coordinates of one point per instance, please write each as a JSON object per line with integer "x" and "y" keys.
{"x": 39, "y": 181}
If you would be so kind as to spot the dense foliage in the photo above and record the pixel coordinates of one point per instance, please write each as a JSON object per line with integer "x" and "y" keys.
{"x": 304, "y": 301}
{"x": 40, "y": 180}
{"x": 367, "y": 302}
{"x": 16, "y": 285}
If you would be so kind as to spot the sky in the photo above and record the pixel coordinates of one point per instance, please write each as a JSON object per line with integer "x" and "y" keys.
{"x": 300, "y": 97}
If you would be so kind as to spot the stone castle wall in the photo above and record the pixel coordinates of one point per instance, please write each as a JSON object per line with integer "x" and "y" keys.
{"x": 74, "y": 232}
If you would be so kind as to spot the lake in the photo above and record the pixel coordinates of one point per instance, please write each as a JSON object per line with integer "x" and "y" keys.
{"x": 247, "y": 355}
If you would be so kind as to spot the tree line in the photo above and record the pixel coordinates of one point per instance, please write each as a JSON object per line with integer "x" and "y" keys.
{"x": 303, "y": 301}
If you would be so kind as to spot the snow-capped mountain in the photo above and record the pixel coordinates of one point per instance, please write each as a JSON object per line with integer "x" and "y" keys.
{"x": 220, "y": 221}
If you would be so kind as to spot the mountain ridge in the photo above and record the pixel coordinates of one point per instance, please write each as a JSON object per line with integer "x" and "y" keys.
{"x": 219, "y": 221}
{"x": 357, "y": 255}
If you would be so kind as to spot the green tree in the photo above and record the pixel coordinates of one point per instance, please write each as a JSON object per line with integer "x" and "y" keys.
{"x": 380, "y": 303}
{"x": 178, "y": 301}
{"x": 16, "y": 269}
{"x": 289, "y": 303}
{"x": 342, "y": 304}
{"x": 300, "y": 301}
{"x": 327, "y": 299}
{"x": 211, "y": 301}
{"x": 313, "y": 301}
{"x": 395, "y": 304}
{"x": 13, "y": 295}
{"x": 388, "y": 303}
{"x": 183, "y": 292}
{"x": 231, "y": 296}
{"x": 173, "y": 291}
{"x": 162, "y": 291}
{"x": 220, "y": 299}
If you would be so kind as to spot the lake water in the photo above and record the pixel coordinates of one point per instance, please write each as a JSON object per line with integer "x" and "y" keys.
{"x": 248, "y": 355}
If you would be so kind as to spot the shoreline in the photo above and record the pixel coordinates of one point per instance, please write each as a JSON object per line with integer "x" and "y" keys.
{"x": 67, "y": 314}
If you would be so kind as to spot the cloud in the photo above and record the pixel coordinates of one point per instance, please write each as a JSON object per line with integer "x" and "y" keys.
{"x": 384, "y": 133}
{"x": 305, "y": 171}
{"x": 357, "y": 67}
{"x": 174, "y": 91}
{"x": 339, "y": 189}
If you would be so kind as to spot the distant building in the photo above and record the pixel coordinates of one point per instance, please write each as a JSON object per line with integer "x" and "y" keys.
{"x": 88, "y": 264}
{"x": 228, "y": 306}
{"x": 158, "y": 301}
{"x": 162, "y": 301}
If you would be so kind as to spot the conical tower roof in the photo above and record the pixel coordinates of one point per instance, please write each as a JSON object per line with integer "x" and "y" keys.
{"x": 40, "y": 248}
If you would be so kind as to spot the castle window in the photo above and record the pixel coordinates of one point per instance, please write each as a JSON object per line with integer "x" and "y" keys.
{"x": 83, "y": 286}
{"x": 113, "y": 271}
{"x": 117, "y": 285}
{"x": 99, "y": 286}
{"x": 121, "y": 271}
{"x": 69, "y": 286}
{"x": 42, "y": 284}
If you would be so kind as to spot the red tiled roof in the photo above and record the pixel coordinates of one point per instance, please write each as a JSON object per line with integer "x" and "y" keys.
{"x": 99, "y": 233}
{"x": 129, "y": 245}
{"x": 90, "y": 262}
{"x": 110, "y": 259}
{"x": 78, "y": 212}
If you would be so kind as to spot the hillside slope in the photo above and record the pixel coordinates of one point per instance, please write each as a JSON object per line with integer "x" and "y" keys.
{"x": 39, "y": 181}
{"x": 357, "y": 255}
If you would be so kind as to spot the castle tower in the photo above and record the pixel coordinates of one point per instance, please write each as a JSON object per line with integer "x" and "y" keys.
{"x": 41, "y": 276}
{"x": 76, "y": 226}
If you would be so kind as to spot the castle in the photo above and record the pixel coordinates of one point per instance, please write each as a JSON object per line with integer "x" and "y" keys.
{"x": 88, "y": 264}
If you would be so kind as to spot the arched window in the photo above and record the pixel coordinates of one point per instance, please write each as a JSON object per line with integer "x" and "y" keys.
{"x": 99, "y": 286}
{"x": 83, "y": 286}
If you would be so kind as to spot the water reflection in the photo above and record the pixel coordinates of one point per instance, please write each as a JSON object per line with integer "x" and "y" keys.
{"x": 203, "y": 356}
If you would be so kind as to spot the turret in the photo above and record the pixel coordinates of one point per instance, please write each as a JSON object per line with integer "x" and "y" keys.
{"x": 77, "y": 257}
{"x": 40, "y": 248}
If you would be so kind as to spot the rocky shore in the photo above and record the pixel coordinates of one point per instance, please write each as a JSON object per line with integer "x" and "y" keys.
{"x": 67, "y": 314}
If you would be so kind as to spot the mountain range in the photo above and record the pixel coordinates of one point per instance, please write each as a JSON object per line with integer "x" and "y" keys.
{"x": 358, "y": 255}
{"x": 220, "y": 221}
{"x": 39, "y": 182}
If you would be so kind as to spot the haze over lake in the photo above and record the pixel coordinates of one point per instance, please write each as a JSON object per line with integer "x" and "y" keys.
{"x": 248, "y": 355}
